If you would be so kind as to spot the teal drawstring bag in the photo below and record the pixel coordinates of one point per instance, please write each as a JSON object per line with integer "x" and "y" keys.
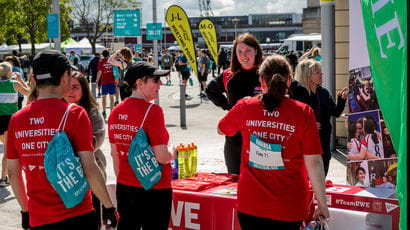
{"x": 63, "y": 168}
{"x": 142, "y": 158}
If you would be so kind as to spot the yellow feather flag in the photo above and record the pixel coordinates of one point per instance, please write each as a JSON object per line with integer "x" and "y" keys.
{"x": 208, "y": 32}
{"x": 178, "y": 22}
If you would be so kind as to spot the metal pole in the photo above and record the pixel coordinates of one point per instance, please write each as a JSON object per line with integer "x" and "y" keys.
{"x": 182, "y": 108}
{"x": 155, "y": 42}
{"x": 165, "y": 30}
{"x": 328, "y": 55}
{"x": 235, "y": 22}
{"x": 56, "y": 10}
{"x": 94, "y": 90}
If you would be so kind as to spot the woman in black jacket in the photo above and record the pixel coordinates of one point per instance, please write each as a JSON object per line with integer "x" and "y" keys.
{"x": 309, "y": 73}
{"x": 238, "y": 81}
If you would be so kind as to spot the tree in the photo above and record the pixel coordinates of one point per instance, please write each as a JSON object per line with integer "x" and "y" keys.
{"x": 10, "y": 30}
{"x": 27, "y": 19}
{"x": 95, "y": 16}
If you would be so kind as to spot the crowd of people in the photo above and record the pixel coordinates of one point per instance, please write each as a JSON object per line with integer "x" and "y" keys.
{"x": 274, "y": 101}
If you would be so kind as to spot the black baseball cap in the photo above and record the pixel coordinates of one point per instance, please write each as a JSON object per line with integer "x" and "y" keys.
{"x": 50, "y": 64}
{"x": 142, "y": 69}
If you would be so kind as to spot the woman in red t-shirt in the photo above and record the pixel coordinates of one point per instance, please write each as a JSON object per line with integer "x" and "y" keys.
{"x": 30, "y": 131}
{"x": 149, "y": 209}
{"x": 281, "y": 148}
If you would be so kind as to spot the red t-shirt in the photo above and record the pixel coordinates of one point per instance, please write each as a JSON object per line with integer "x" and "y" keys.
{"x": 106, "y": 71}
{"x": 123, "y": 124}
{"x": 29, "y": 132}
{"x": 281, "y": 194}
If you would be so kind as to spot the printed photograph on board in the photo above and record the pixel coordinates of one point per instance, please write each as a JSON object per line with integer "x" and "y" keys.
{"x": 382, "y": 173}
{"x": 362, "y": 95}
{"x": 358, "y": 173}
{"x": 364, "y": 136}
{"x": 388, "y": 148}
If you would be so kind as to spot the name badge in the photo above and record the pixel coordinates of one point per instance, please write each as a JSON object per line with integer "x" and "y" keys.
{"x": 265, "y": 156}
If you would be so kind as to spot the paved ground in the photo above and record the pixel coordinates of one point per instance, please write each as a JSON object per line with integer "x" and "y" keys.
{"x": 201, "y": 120}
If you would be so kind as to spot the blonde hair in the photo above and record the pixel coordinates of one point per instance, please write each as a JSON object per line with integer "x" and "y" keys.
{"x": 305, "y": 69}
{"x": 5, "y": 68}
{"x": 126, "y": 54}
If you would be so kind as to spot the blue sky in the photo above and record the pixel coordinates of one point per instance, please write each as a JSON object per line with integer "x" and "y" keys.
{"x": 223, "y": 7}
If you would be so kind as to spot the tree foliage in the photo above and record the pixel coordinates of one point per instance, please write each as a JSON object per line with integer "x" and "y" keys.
{"x": 95, "y": 16}
{"x": 26, "y": 19}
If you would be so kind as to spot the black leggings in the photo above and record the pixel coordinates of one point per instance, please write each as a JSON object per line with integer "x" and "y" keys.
{"x": 83, "y": 222}
{"x": 138, "y": 208}
{"x": 232, "y": 153}
{"x": 326, "y": 156}
{"x": 249, "y": 222}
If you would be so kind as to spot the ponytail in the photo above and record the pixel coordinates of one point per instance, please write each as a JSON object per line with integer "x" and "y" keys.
{"x": 275, "y": 71}
{"x": 370, "y": 128}
{"x": 375, "y": 138}
{"x": 277, "y": 88}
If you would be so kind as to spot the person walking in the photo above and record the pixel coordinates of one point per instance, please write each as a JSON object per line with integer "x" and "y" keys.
{"x": 11, "y": 83}
{"x": 203, "y": 71}
{"x": 166, "y": 64}
{"x": 72, "y": 56}
{"x": 238, "y": 81}
{"x": 16, "y": 67}
{"x": 80, "y": 67}
{"x": 280, "y": 150}
{"x": 176, "y": 65}
{"x": 222, "y": 60}
{"x": 31, "y": 130}
{"x": 80, "y": 94}
{"x": 108, "y": 83}
{"x": 309, "y": 74}
{"x": 122, "y": 59}
{"x": 140, "y": 208}
{"x": 92, "y": 70}
{"x": 184, "y": 69}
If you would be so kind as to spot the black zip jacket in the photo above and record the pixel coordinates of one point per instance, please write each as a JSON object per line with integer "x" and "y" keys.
{"x": 244, "y": 83}
{"x": 324, "y": 109}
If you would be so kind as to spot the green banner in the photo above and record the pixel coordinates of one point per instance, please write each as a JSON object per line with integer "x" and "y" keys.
{"x": 127, "y": 23}
{"x": 385, "y": 23}
{"x": 154, "y": 31}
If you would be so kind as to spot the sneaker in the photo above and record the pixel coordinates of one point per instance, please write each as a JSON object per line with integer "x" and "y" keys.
{"x": 202, "y": 95}
{"x": 187, "y": 97}
{"x": 104, "y": 115}
{"x": 115, "y": 103}
{"x": 5, "y": 182}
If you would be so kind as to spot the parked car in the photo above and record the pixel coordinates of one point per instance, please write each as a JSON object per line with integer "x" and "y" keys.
{"x": 85, "y": 60}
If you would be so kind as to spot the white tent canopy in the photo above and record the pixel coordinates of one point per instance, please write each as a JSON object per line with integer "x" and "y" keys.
{"x": 174, "y": 48}
{"x": 83, "y": 46}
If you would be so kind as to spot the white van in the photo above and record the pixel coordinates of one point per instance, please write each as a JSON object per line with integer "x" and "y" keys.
{"x": 300, "y": 42}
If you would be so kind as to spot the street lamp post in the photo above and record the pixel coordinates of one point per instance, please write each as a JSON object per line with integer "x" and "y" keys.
{"x": 235, "y": 22}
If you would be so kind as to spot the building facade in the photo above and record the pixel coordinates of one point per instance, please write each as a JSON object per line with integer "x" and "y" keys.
{"x": 267, "y": 28}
